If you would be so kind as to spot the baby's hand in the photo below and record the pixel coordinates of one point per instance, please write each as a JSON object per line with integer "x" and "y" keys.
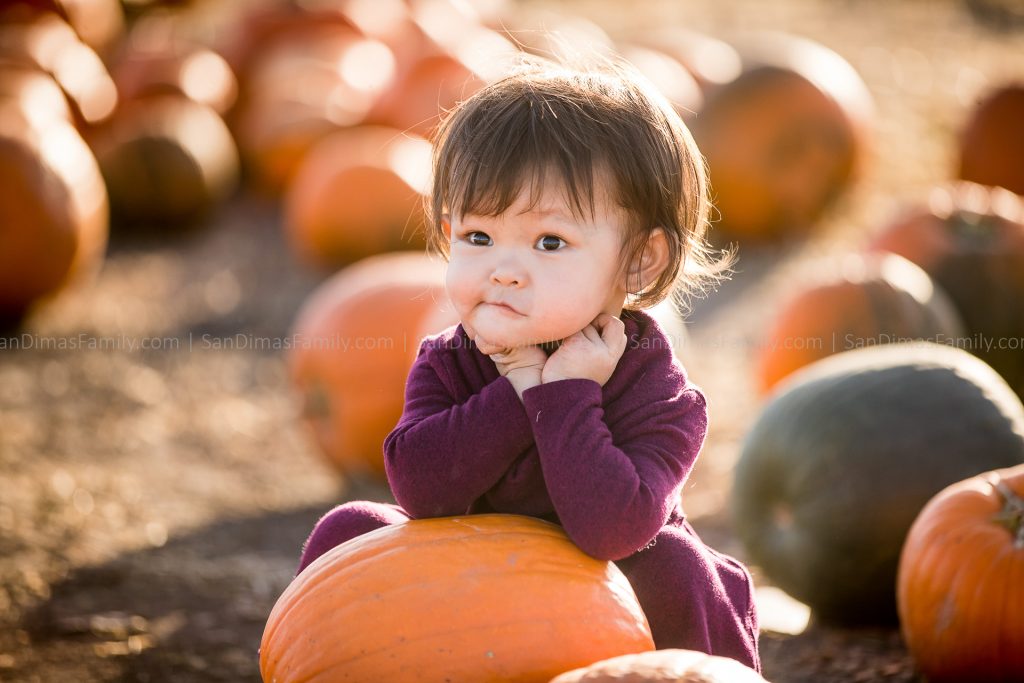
{"x": 522, "y": 365}
{"x": 591, "y": 353}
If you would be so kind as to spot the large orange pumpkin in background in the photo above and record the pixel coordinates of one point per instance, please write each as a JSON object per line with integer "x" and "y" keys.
{"x": 663, "y": 666}
{"x": 970, "y": 239}
{"x": 874, "y": 299}
{"x": 785, "y": 138}
{"x": 354, "y": 342}
{"x": 47, "y": 43}
{"x": 53, "y": 212}
{"x": 358, "y": 193}
{"x": 484, "y": 598}
{"x": 961, "y": 581}
{"x": 992, "y": 141}
{"x": 167, "y": 161}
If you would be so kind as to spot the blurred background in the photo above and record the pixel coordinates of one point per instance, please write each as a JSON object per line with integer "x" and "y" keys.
{"x": 213, "y": 278}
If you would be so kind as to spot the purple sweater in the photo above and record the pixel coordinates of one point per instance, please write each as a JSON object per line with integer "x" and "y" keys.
{"x": 607, "y": 463}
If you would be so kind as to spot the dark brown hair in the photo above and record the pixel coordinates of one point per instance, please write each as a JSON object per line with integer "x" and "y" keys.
{"x": 583, "y": 124}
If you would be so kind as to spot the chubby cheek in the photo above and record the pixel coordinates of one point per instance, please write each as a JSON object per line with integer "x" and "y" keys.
{"x": 460, "y": 287}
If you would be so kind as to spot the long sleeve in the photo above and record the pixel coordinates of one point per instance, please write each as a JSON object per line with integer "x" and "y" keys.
{"x": 613, "y": 493}
{"x": 442, "y": 455}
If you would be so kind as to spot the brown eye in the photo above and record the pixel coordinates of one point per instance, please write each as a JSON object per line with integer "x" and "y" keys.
{"x": 550, "y": 242}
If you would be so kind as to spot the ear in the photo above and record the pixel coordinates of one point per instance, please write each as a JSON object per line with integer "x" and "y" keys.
{"x": 446, "y": 225}
{"x": 652, "y": 262}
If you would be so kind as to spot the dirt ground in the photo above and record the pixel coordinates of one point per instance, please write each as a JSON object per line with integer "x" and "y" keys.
{"x": 153, "y": 500}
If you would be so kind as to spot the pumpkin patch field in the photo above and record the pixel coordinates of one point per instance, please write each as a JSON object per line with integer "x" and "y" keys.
{"x": 214, "y": 279}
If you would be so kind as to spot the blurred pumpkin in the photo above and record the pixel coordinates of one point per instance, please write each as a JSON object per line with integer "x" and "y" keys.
{"x": 991, "y": 144}
{"x": 359, "y": 192}
{"x": 970, "y": 239}
{"x": 354, "y": 342}
{"x": 154, "y": 61}
{"x": 961, "y": 581}
{"x": 432, "y": 86}
{"x": 35, "y": 94}
{"x": 53, "y": 212}
{"x": 846, "y": 454}
{"x": 784, "y": 139}
{"x": 438, "y": 318}
{"x": 302, "y": 91}
{"x": 261, "y": 26}
{"x": 167, "y": 162}
{"x": 667, "y": 75}
{"x": 663, "y": 666}
{"x": 874, "y": 299}
{"x": 480, "y": 598}
{"x": 47, "y": 43}
{"x": 712, "y": 62}
{"x": 98, "y": 23}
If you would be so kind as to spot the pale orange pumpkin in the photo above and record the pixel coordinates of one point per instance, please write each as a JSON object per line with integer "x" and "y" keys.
{"x": 872, "y": 299}
{"x": 484, "y": 598}
{"x": 53, "y": 211}
{"x": 663, "y": 666}
{"x": 354, "y": 341}
{"x": 359, "y": 192}
{"x": 960, "y": 587}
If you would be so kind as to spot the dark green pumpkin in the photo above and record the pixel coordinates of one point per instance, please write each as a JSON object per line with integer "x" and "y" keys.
{"x": 847, "y": 453}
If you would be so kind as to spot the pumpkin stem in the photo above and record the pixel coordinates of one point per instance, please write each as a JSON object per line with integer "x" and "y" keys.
{"x": 1012, "y": 514}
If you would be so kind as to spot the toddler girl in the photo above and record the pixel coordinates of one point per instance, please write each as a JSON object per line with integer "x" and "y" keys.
{"x": 566, "y": 202}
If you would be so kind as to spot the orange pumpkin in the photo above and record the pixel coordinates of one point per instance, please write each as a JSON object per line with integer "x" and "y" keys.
{"x": 663, "y": 666}
{"x": 303, "y": 90}
{"x": 711, "y": 61}
{"x": 960, "y": 587}
{"x": 47, "y": 43}
{"x": 34, "y": 93}
{"x": 992, "y": 142}
{"x": 970, "y": 239}
{"x": 432, "y": 86}
{"x": 149, "y": 65}
{"x": 167, "y": 162}
{"x": 98, "y": 23}
{"x": 784, "y": 139}
{"x": 481, "y": 598}
{"x": 879, "y": 298}
{"x": 53, "y": 212}
{"x": 354, "y": 341}
{"x": 358, "y": 193}
{"x": 668, "y": 75}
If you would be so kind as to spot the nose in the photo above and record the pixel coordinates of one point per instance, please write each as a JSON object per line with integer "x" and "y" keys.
{"x": 507, "y": 274}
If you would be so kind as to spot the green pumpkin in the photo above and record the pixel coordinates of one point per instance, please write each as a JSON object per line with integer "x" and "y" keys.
{"x": 846, "y": 454}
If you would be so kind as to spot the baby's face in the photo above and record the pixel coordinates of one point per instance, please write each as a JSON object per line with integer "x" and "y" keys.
{"x": 553, "y": 271}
